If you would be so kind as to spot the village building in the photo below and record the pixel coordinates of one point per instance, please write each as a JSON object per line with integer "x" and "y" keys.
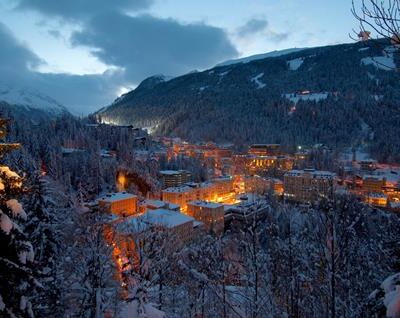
{"x": 119, "y": 203}
{"x": 308, "y": 185}
{"x": 209, "y": 213}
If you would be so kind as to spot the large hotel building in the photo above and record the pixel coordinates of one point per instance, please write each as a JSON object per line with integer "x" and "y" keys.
{"x": 308, "y": 185}
{"x": 218, "y": 190}
{"x": 174, "y": 178}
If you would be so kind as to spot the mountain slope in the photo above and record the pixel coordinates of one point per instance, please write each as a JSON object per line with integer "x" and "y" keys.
{"x": 347, "y": 98}
{"x": 26, "y": 100}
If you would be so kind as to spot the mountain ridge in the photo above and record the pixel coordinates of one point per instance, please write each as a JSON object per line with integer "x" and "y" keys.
{"x": 26, "y": 99}
{"x": 260, "y": 56}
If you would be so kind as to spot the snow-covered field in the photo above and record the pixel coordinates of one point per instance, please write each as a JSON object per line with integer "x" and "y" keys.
{"x": 256, "y": 80}
{"x": 385, "y": 62}
{"x": 295, "y": 63}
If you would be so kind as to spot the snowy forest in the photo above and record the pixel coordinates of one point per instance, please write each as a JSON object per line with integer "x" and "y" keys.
{"x": 334, "y": 259}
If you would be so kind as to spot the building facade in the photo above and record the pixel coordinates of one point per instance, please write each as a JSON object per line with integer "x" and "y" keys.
{"x": 174, "y": 178}
{"x": 120, "y": 203}
{"x": 308, "y": 185}
{"x": 217, "y": 190}
{"x": 265, "y": 149}
{"x": 210, "y": 214}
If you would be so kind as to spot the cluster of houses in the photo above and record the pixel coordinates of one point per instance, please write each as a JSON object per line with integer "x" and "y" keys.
{"x": 185, "y": 210}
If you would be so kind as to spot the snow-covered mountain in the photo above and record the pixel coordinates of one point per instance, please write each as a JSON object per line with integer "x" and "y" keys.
{"x": 316, "y": 95}
{"x": 250, "y": 58}
{"x": 30, "y": 100}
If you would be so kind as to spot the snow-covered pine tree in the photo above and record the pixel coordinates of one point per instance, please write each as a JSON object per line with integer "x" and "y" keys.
{"x": 43, "y": 228}
{"x": 17, "y": 277}
{"x": 90, "y": 289}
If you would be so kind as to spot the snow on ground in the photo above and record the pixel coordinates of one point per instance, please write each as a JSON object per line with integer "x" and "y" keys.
{"x": 256, "y": 80}
{"x": 133, "y": 310}
{"x": 202, "y": 88}
{"x": 385, "y": 62}
{"x": 295, "y": 98}
{"x": 295, "y": 63}
{"x": 391, "y": 286}
{"x": 224, "y": 73}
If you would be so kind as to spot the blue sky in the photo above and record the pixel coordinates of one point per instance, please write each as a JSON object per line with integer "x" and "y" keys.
{"x": 84, "y": 53}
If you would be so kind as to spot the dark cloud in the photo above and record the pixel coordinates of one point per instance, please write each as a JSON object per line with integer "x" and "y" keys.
{"x": 140, "y": 46}
{"x": 257, "y": 26}
{"x": 81, "y": 9}
{"x": 55, "y": 33}
{"x": 82, "y": 94}
{"x": 15, "y": 59}
{"x": 145, "y": 45}
{"x": 252, "y": 26}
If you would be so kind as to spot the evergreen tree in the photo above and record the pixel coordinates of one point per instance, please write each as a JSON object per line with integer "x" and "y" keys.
{"x": 43, "y": 228}
{"x": 17, "y": 275}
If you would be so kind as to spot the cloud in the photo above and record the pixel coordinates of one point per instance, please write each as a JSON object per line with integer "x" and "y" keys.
{"x": 15, "y": 58}
{"x": 134, "y": 47}
{"x": 145, "y": 45}
{"x": 55, "y": 33}
{"x": 256, "y": 27}
{"x": 82, "y": 94}
{"x": 278, "y": 37}
{"x": 252, "y": 26}
{"x": 81, "y": 9}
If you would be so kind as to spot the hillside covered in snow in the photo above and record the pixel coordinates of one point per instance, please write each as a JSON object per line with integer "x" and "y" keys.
{"x": 25, "y": 100}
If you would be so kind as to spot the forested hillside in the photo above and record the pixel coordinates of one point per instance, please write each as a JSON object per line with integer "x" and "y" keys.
{"x": 353, "y": 98}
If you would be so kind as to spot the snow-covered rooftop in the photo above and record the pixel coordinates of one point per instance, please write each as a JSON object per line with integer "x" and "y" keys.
{"x": 155, "y": 203}
{"x": 117, "y": 196}
{"x": 170, "y": 172}
{"x": 173, "y": 206}
{"x": 178, "y": 189}
{"x": 314, "y": 173}
{"x": 377, "y": 195}
{"x": 206, "y": 204}
{"x": 166, "y": 218}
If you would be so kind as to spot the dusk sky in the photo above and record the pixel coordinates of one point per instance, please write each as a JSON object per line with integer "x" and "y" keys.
{"x": 85, "y": 53}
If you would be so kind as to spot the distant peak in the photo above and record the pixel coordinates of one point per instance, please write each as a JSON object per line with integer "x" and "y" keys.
{"x": 29, "y": 98}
